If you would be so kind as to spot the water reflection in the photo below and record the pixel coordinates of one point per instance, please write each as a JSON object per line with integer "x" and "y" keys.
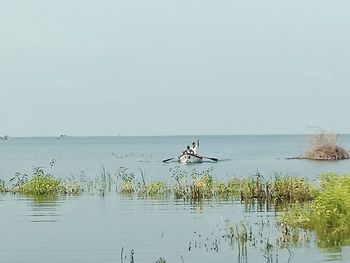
{"x": 44, "y": 209}
{"x": 93, "y": 228}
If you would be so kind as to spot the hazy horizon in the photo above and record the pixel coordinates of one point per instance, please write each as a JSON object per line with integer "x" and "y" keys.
{"x": 144, "y": 68}
{"x": 195, "y": 136}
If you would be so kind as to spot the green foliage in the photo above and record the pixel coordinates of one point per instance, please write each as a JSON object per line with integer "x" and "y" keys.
{"x": 154, "y": 188}
{"x": 292, "y": 189}
{"x": 328, "y": 214}
{"x": 73, "y": 188}
{"x": 42, "y": 184}
{"x": 3, "y": 187}
{"x": 230, "y": 188}
{"x": 201, "y": 185}
{"x": 18, "y": 181}
{"x": 253, "y": 188}
{"x": 161, "y": 260}
{"x": 127, "y": 178}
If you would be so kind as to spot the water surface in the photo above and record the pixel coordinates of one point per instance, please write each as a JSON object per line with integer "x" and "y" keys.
{"x": 97, "y": 228}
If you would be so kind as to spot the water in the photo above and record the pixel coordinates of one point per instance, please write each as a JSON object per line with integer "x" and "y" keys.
{"x": 239, "y": 155}
{"x": 96, "y": 228}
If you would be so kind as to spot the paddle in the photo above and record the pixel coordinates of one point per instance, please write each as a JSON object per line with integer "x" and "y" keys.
{"x": 210, "y": 158}
{"x": 166, "y": 160}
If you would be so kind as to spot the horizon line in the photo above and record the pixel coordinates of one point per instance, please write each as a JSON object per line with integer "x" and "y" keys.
{"x": 170, "y": 135}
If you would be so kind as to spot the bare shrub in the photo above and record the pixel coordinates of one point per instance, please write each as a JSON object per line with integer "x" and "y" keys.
{"x": 324, "y": 146}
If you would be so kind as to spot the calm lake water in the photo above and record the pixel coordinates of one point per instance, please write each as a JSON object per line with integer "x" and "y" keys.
{"x": 101, "y": 228}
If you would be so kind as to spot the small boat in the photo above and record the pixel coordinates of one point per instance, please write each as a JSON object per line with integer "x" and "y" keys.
{"x": 190, "y": 155}
{"x": 190, "y": 158}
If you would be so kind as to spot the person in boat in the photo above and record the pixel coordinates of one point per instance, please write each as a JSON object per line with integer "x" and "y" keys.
{"x": 194, "y": 147}
{"x": 189, "y": 150}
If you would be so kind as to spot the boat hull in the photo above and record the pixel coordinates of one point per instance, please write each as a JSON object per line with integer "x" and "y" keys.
{"x": 190, "y": 158}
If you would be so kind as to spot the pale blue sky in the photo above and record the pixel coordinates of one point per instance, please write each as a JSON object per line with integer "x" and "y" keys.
{"x": 160, "y": 67}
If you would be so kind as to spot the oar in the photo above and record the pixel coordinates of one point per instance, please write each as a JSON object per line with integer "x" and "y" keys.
{"x": 210, "y": 158}
{"x": 166, "y": 160}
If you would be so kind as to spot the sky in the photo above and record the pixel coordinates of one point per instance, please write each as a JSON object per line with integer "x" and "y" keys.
{"x": 174, "y": 67}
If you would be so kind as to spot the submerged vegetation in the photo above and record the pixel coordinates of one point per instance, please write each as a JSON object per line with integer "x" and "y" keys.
{"x": 195, "y": 187}
{"x": 323, "y": 208}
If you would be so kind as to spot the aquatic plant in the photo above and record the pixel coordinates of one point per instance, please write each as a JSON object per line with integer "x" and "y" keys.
{"x": 328, "y": 214}
{"x": 153, "y": 188}
{"x": 200, "y": 186}
{"x": 161, "y": 260}
{"x": 127, "y": 180}
{"x": 291, "y": 189}
{"x": 73, "y": 188}
{"x": 3, "y": 187}
{"x": 240, "y": 237}
{"x": 230, "y": 188}
{"x": 42, "y": 184}
{"x": 18, "y": 181}
{"x": 253, "y": 188}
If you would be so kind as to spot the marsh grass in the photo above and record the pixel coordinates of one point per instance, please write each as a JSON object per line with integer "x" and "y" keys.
{"x": 40, "y": 183}
{"x": 281, "y": 189}
{"x": 127, "y": 185}
{"x": 264, "y": 237}
{"x": 196, "y": 186}
{"x": 153, "y": 188}
{"x": 328, "y": 214}
{"x": 292, "y": 189}
{"x": 3, "y": 187}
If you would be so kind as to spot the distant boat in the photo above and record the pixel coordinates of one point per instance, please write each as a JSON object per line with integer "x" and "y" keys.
{"x": 63, "y": 136}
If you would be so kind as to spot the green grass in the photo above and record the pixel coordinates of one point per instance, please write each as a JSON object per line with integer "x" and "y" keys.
{"x": 291, "y": 189}
{"x": 41, "y": 183}
{"x": 328, "y": 214}
{"x": 3, "y": 187}
{"x": 153, "y": 188}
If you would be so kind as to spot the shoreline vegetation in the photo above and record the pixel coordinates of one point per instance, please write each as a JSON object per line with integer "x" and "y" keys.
{"x": 301, "y": 205}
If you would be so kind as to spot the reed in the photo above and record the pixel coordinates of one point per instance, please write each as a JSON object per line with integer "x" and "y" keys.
{"x": 230, "y": 188}
{"x": 291, "y": 189}
{"x": 3, "y": 187}
{"x": 328, "y": 214}
{"x": 41, "y": 183}
{"x": 153, "y": 188}
{"x": 127, "y": 180}
{"x": 198, "y": 187}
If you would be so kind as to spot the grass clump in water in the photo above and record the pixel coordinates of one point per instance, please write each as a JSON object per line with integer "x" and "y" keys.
{"x": 42, "y": 184}
{"x": 230, "y": 188}
{"x": 3, "y": 187}
{"x": 253, "y": 188}
{"x": 199, "y": 187}
{"x": 328, "y": 214}
{"x": 291, "y": 189}
{"x": 154, "y": 188}
{"x": 127, "y": 181}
